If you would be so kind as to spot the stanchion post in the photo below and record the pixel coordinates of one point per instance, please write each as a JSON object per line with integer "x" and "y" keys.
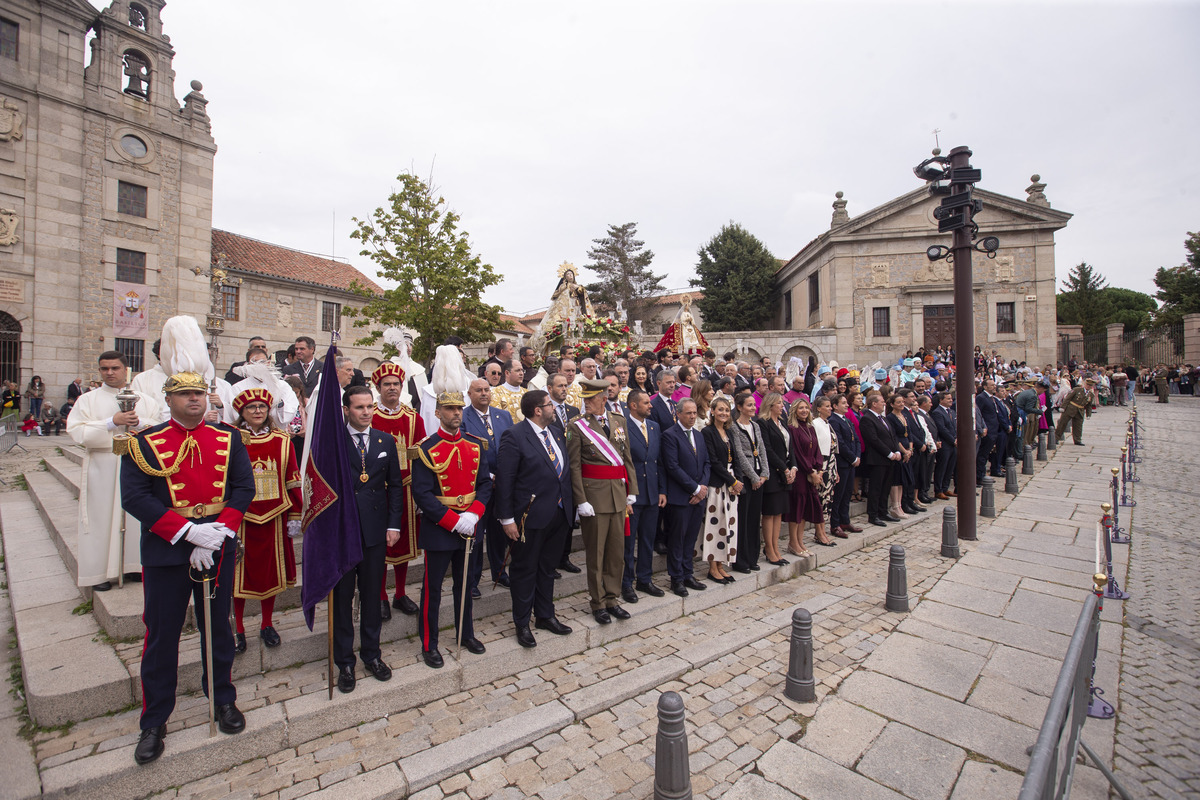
{"x": 1113, "y": 591}
{"x": 1098, "y": 707}
{"x": 1118, "y": 535}
{"x": 800, "y": 685}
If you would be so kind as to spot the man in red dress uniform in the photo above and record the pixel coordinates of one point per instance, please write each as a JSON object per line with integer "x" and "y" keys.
{"x": 407, "y": 428}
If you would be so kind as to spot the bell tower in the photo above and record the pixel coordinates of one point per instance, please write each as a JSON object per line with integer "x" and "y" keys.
{"x": 131, "y": 56}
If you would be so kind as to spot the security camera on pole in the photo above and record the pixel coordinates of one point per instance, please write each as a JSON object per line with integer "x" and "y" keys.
{"x": 953, "y": 178}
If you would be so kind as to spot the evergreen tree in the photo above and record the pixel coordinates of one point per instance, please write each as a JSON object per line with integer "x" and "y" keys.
{"x": 416, "y": 242}
{"x": 737, "y": 275}
{"x": 1081, "y": 301}
{"x": 623, "y": 266}
{"x": 1179, "y": 287}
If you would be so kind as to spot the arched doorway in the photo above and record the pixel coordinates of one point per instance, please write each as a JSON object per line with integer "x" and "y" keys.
{"x": 10, "y": 348}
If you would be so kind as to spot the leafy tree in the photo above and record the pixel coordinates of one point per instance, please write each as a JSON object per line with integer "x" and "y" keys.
{"x": 1081, "y": 302}
{"x": 1134, "y": 310}
{"x": 1179, "y": 287}
{"x": 737, "y": 274}
{"x": 416, "y": 242}
{"x": 624, "y": 268}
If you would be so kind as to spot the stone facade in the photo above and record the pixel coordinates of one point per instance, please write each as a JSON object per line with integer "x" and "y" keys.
{"x": 61, "y": 178}
{"x": 873, "y": 268}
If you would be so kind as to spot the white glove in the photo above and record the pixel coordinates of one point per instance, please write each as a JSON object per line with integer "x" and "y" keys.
{"x": 201, "y": 558}
{"x": 586, "y": 510}
{"x": 630, "y": 499}
{"x": 293, "y": 528}
{"x": 208, "y": 535}
{"x": 220, "y": 527}
{"x": 466, "y": 523}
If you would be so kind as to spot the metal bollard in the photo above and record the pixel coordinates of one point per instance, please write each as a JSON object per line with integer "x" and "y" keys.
{"x": 1010, "y": 476}
{"x": 1041, "y": 449}
{"x": 987, "y": 497}
{"x": 1027, "y": 461}
{"x": 672, "y": 776}
{"x": 1118, "y": 535}
{"x": 1113, "y": 591}
{"x": 1051, "y": 440}
{"x": 897, "y": 588}
{"x": 1098, "y": 707}
{"x": 800, "y": 685}
{"x": 950, "y": 533}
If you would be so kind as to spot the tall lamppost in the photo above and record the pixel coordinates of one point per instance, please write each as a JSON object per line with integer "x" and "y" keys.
{"x": 953, "y": 179}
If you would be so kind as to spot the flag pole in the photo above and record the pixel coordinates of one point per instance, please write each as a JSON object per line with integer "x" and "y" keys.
{"x": 330, "y": 637}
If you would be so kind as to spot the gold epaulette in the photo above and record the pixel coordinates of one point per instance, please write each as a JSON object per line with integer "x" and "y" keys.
{"x": 247, "y": 437}
{"x": 413, "y": 452}
{"x": 479, "y": 440}
{"x": 121, "y": 442}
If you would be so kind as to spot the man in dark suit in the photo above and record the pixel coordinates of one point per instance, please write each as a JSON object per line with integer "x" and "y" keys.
{"x": 184, "y": 528}
{"x": 916, "y": 436}
{"x": 452, "y": 487}
{"x": 685, "y": 463}
{"x": 564, "y": 414}
{"x": 662, "y": 407}
{"x": 946, "y": 420}
{"x": 306, "y": 365}
{"x": 487, "y": 424}
{"x": 645, "y": 440}
{"x": 987, "y": 406}
{"x": 848, "y": 459}
{"x": 881, "y": 452}
{"x": 533, "y": 498}
{"x": 380, "y": 496}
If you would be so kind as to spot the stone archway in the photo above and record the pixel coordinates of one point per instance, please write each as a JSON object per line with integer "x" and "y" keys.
{"x": 368, "y": 365}
{"x": 10, "y": 348}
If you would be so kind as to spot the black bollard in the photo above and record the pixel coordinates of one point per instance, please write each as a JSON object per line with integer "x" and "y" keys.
{"x": 1051, "y": 440}
{"x": 987, "y": 497}
{"x": 1041, "y": 450}
{"x": 897, "y": 588}
{"x": 1010, "y": 476}
{"x": 1027, "y": 461}
{"x": 672, "y": 777}
{"x": 950, "y": 533}
{"x": 800, "y": 685}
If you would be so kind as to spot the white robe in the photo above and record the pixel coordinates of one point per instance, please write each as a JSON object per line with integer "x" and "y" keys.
{"x": 98, "y": 550}
{"x": 283, "y": 414}
{"x": 151, "y": 382}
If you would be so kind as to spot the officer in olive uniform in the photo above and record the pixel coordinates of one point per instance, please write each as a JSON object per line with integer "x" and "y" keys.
{"x": 601, "y": 466}
{"x": 1073, "y": 409}
{"x": 188, "y": 483}
{"x": 452, "y": 490}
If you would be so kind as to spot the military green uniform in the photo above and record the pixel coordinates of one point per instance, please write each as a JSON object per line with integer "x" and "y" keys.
{"x": 1073, "y": 410}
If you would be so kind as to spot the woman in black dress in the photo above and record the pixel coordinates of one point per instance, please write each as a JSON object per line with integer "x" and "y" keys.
{"x": 902, "y": 476}
{"x": 777, "y": 490}
{"x": 752, "y": 469}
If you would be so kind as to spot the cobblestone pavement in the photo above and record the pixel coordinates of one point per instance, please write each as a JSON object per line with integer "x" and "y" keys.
{"x": 1157, "y": 752}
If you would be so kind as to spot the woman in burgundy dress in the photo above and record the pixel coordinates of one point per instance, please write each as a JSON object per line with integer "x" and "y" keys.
{"x": 805, "y": 505}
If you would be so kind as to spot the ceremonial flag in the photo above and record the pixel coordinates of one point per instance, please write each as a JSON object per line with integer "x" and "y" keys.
{"x": 332, "y": 543}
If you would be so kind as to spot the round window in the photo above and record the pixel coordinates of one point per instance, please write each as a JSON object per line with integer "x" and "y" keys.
{"x": 133, "y": 146}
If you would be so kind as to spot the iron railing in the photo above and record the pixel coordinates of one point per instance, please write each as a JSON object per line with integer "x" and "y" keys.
{"x": 1162, "y": 345}
{"x": 1092, "y": 348}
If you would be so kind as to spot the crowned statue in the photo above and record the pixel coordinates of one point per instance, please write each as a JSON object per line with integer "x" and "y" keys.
{"x": 683, "y": 336}
{"x": 569, "y": 304}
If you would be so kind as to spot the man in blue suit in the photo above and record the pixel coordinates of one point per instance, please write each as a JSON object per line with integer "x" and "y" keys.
{"x": 946, "y": 420}
{"x": 685, "y": 462}
{"x": 986, "y": 406}
{"x": 379, "y": 493}
{"x": 484, "y": 422}
{"x": 662, "y": 407}
{"x": 533, "y": 498}
{"x": 645, "y": 440}
{"x": 849, "y": 457}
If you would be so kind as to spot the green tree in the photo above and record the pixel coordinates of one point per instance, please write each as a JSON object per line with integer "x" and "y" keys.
{"x": 1081, "y": 303}
{"x": 416, "y": 242}
{"x": 1179, "y": 287}
{"x": 737, "y": 273}
{"x": 1134, "y": 310}
{"x": 623, "y": 266}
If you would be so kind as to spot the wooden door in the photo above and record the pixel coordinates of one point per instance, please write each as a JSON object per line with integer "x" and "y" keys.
{"x": 939, "y": 327}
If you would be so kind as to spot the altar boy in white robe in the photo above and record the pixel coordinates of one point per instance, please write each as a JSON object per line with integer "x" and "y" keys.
{"x": 94, "y": 420}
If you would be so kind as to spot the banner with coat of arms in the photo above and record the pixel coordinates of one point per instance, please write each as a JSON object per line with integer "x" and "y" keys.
{"x": 131, "y": 313}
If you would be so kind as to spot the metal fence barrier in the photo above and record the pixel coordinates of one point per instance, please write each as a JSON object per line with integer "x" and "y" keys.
{"x": 1052, "y": 763}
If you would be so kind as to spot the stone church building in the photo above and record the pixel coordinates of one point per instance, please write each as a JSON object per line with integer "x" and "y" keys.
{"x": 104, "y": 178}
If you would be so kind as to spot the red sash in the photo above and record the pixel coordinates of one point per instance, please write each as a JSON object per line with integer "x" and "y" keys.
{"x": 605, "y": 472}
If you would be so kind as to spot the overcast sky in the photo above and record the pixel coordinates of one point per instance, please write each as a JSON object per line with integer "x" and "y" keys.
{"x": 543, "y": 123}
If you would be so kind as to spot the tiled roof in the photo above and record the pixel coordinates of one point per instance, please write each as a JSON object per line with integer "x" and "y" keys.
{"x": 250, "y": 255}
{"x": 676, "y": 298}
{"x": 517, "y": 324}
